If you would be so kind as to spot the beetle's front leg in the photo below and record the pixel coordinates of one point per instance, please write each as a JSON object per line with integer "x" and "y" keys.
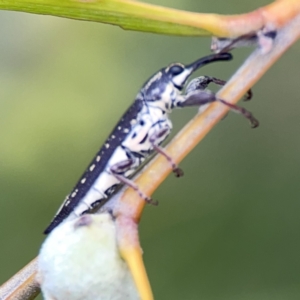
{"x": 157, "y": 136}
{"x": 202, "y": 82}
{"x": 201, "y": 97}
{"x": 121, "y": 168}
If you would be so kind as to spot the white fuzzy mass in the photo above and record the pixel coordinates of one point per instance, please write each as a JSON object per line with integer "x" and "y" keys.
{"x": 80, "y": 260}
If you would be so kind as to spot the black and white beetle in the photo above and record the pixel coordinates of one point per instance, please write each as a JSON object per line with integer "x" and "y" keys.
{"x": 143, "y": 127}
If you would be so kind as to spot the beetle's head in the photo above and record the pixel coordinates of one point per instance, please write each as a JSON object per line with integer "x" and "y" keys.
{"x": 178, "y": 73}
{"x": 165, "y": 85}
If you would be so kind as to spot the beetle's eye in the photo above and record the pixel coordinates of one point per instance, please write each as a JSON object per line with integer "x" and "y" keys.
{"x": 175, "y": 70}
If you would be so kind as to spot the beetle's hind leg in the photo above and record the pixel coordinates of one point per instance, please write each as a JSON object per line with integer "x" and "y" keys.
{"x": 120, "y": 169}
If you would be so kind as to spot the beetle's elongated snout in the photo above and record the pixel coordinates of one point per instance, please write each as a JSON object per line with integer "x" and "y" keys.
{"x": 207, "y": 60}
{"x": 181, "y": 73}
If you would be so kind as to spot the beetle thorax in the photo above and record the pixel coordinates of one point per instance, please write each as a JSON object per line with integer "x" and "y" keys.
{"x": 162, "y": 97}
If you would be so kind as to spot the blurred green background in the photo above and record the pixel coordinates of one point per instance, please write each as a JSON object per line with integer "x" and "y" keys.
{"x": 229, "y": 229}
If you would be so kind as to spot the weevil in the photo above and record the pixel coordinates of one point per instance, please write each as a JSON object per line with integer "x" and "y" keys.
{"x": 140, "y": 131}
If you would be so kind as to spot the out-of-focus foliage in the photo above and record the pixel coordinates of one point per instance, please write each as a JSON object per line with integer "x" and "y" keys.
{"x": 229, "y": 229}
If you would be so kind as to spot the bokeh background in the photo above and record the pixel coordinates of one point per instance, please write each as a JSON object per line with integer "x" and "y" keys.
{"x": 229, "y": 229}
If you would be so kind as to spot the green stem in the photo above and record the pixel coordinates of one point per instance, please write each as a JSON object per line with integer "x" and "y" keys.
{"x": 127, "y": 14}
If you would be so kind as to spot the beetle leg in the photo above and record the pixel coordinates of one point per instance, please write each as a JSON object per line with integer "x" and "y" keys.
{"x": 120, "y": 168}
{"x": 202, "y": 82}
{"x": 200, "y": 97}
{"x": 156, "y": 136}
